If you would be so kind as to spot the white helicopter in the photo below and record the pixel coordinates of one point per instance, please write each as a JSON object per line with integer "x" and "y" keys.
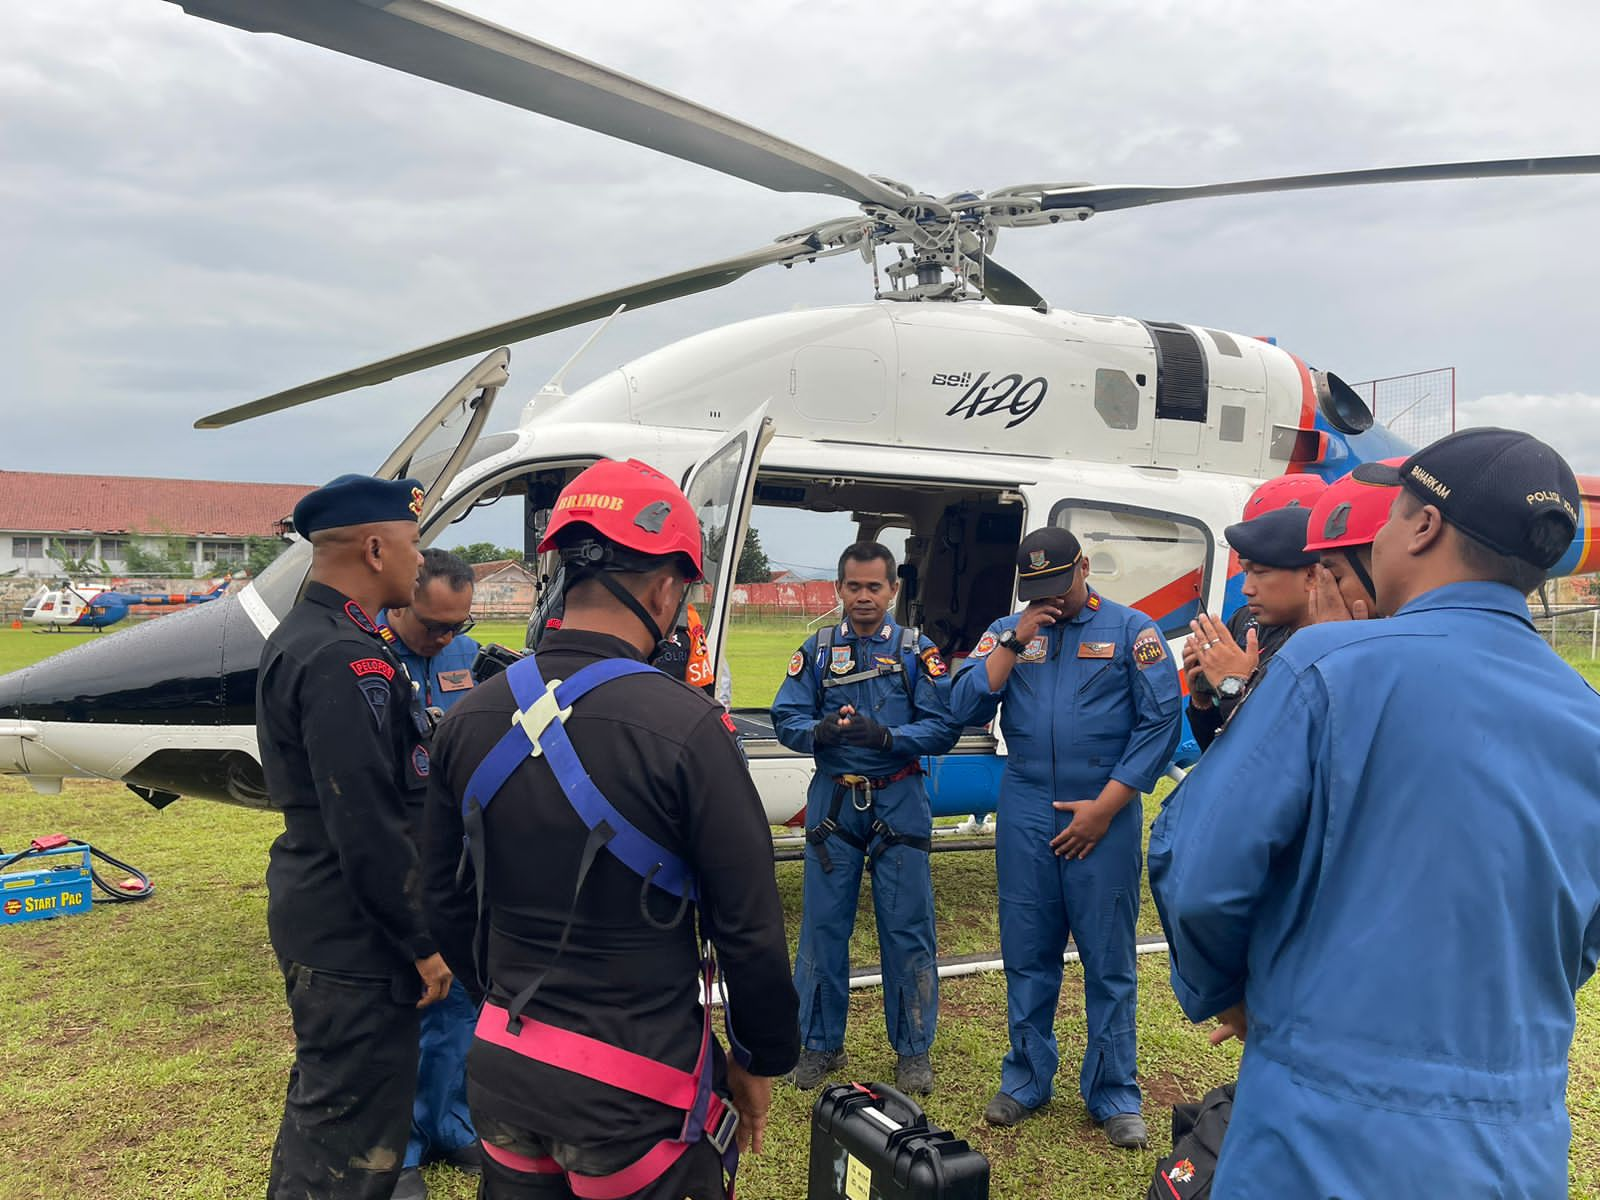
{"x": 957, "y": 405}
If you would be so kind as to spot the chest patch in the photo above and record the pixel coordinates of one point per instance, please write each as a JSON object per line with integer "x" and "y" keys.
{"x": 1033, "y": 652}
{"x": 455, "y": 681}
{"x": 840, "y": 660}
{"x": 1149, "y": 648}
{"x": 797, "y": 663}
{"x": 1097, "y": 650}
{"x": 419, "y": 761}
{"x": 372, "y": 666}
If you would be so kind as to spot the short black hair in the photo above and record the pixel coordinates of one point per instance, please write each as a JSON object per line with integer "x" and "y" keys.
{"x": 865, "y": 552}
{"x": 1488, "y": 563}
{"x": 441, "y": 564}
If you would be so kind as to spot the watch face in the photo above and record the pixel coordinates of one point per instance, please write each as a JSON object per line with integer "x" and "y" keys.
{"x": 1230, "y": 687}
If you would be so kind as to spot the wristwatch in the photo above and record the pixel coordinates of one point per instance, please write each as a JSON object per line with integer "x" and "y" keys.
{"x": 1010, "y": 641}
{"x": 1232, "y": 687}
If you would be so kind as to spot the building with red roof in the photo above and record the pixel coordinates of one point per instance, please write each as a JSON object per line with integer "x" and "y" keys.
{"x": 45, "y": 517}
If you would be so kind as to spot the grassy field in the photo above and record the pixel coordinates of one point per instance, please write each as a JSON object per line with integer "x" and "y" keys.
{"x": 145, "y": 1047}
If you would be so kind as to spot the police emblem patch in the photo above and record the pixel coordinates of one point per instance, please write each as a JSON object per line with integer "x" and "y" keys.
{"x": 1182, "y": 1171}
{"x": 376, "y": 690}
{"x": 840, "y": 660}
{"x": 985, "y": 644}
{"x": 933, "y": 663}
{"x": 419, "y": 761}
{"x": 1149, "y": 648}
{"x": 358, "y": 618}
{"x": 797, "y": 663}
{"x": 1033, "y": 652}
{"x": 1038, "y": 560}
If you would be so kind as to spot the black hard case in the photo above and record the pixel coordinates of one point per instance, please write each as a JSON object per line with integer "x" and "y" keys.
{"x": 909, "y": 1158}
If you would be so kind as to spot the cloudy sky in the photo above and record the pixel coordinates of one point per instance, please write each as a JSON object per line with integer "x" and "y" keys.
{"x": 195, "y": 216}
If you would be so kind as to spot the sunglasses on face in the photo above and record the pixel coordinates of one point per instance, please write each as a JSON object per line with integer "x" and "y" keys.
{"x": 444, "y": 628}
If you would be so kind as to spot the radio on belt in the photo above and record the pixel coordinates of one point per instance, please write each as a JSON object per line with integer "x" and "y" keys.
{"x": 870, "y": 1142}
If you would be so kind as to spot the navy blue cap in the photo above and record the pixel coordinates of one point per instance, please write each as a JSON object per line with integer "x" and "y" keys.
{"x": 1274, "y": 539}
{"x": 1497, "y": 485}
{"x": 1043, "y": 561}
{"x": 357, "y": 500}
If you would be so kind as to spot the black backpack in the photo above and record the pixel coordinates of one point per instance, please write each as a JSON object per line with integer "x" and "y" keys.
{"x": 1197, "y": 1131}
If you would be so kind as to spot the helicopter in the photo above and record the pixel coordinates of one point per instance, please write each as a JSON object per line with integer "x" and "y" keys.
{"x": 82, "y": 606}
{"x": 957, "y": 405}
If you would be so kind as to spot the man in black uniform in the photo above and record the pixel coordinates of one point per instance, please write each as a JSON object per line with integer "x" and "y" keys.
{"x": 595, "y": 1071}
{"x": 344, "y": 747}
{"x": 1223, "y": 661}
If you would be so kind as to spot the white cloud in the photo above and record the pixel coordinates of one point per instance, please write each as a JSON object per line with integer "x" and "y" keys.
{"x": 1569, "y": 421}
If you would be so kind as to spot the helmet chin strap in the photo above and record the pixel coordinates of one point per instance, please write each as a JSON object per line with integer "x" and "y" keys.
{"x": 631, "y": 603}
{"x": 1354, "y": 560}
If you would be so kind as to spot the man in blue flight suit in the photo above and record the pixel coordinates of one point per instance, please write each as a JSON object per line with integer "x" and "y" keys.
{"x": 1388, "y": 872}
{"x": 1088, "y": 701}
{"x": 869, "y": 699}
{"x": 429, "y": 638}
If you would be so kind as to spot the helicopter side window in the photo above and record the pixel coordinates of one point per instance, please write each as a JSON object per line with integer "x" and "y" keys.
{"x": 1156, "y": 562}
{"x": 714, "y": 493}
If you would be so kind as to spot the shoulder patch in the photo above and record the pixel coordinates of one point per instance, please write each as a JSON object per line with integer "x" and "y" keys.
{"x": 372, "y": 666}
{"x": 419, "y": 761}
{"x": 797, "y": 663}
{"x": 358, "y": 618}
{"x": 1149, "y": 647}
{"x": 933, "y": 663}
{"x": 985, "y": 644}
{"x": 376, "y": 690}
{"x": 727, "y": 723}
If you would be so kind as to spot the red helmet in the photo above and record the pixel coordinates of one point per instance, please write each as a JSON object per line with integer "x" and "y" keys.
{"x": 1286, "y": 491}
{"x": 1352, "y": 510}
{"x": 628, "y": 504}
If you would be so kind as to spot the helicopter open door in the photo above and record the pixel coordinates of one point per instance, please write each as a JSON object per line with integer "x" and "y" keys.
{"x": 721, "y": 486}
{"x": 462, "y": 413}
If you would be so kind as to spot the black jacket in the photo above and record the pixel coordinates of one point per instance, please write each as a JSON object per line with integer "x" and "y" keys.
{"x": 666, "y": 757}
{"x": 344, "y": 747}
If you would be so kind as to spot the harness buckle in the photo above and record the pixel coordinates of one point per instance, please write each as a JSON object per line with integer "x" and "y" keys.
{"x": 536, "y": 718}
{"x": 722, "y": 1137}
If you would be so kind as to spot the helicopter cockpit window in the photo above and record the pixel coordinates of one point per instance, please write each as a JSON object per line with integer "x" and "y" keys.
{"x": 1153, "y": 561}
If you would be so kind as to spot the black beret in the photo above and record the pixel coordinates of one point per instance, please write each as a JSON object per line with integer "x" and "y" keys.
{"x": 1274, "y": 539}
{"x": 357, "y": 500}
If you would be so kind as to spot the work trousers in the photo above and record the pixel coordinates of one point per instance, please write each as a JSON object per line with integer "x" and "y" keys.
{"x": 902, "y": 897}
{"x": 348, "y": 1107}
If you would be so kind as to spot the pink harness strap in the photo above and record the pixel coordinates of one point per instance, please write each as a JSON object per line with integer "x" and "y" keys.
{"x": 591, "y": 1058}
{"x": 512, "y": 1161}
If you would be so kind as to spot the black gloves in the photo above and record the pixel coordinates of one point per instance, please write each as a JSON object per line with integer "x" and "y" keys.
{"x": 864, "y": 731}
{"x": 828, "y": 732}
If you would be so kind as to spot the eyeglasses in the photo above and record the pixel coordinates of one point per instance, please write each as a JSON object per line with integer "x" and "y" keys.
{"x": 443, "y": 628}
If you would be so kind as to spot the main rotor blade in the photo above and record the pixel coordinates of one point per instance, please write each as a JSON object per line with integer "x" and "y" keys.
{"x": 579, "y": 312}
{"x": 1110, "y": 198}
{"x": 1002, "y": 287}
{"x": 436, "y": 42}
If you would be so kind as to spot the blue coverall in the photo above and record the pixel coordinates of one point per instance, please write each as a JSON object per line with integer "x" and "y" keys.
{"x": 1393, "y": 860}
{"x": 902, "y": 886}
{"x": 1080, "y": 707}
{"x": 440, "y": 1120}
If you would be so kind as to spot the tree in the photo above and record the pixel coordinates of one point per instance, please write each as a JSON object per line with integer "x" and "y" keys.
{"x": 262, "y": 552}
{"x": 482, "y": 552}
{"x": 753, "y": 565}
{"x": 165, "y": 560}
